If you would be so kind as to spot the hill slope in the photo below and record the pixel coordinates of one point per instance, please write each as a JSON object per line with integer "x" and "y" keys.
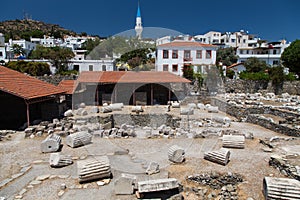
{"x": 17, "y": 29}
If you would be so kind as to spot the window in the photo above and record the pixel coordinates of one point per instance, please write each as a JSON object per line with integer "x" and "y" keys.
{"x": 91, "y": 67}
{"x": 1, "y": 54}
{"x": 175, "y": 54}
{"x": 208, "y": 54}
{"x": 103, "y": 67}
{"x": 232, "y": 40}
{"x": 275, "y": 62}
{"x": 174, "y": 68}
{"x": 241, "y": 52}
{"x": 199, "y": 54}
{"x": 274, "y": 51}
{"x": 165, "y": 54}
{"x": 244, "y": 40}
{"x": 165, "y": 68}
{"x": 76, "y": 67}
{"x": 187, "y": 54}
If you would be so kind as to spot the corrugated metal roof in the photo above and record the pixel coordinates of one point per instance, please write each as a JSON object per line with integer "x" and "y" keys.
{"x": 25, "y": 86}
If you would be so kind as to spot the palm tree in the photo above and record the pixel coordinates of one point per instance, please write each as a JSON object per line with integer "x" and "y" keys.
{"x": 18, "y": 50}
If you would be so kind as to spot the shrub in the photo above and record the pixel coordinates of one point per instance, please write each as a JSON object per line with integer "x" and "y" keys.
{"x": 254, "y": 76}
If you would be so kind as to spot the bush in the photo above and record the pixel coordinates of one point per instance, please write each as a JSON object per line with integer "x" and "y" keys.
{"x": 254, "y": 76}
{"x": 31, "y": 68}
{"x": 230, "y": 73}
{"x": 188, "y": 72}
{"x": 290, "y": 77}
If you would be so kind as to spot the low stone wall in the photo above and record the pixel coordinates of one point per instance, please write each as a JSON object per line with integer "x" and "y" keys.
{"x": 56, "y": 79}
{"x": 153, "y": 120}
{"x": 279, "y": 128}
{"x": 252, "y": 114}
{"x": 247, "y": 86}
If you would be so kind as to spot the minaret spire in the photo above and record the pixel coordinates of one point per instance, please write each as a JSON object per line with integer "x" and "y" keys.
{"x": 138, "y": 25}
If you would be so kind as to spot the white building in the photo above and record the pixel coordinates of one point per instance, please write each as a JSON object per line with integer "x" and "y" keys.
{"x": 92, "y": 65}
{"x": 267, "y": 52}
{"x": 75, "y": 42}
{"x": 26, "y": 45}
{"x": 175, "y": 55}
{"x": 228, "y": 39}
{"x": 47, "y": 41}
{"x": 2, "y": 47}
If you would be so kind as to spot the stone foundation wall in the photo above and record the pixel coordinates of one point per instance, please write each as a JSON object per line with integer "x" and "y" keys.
{"x": 246, "y": 86}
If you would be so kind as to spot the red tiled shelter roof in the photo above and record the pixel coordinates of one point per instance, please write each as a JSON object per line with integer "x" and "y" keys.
{"x": 185, "y": 44}
{"x": 68, "y": 85}
{"x": 129, "y": 77}
{"x": 25, "y": 86}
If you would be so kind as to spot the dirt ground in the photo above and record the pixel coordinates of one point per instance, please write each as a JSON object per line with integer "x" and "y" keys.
{"x": 19, "y": 153}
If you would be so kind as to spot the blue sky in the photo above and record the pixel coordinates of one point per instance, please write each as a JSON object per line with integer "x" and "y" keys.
{"x": 268, "y": 19}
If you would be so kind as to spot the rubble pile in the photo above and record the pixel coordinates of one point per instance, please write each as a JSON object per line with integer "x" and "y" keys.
{"x": 284, "y": 166}
{"x": 216, "y": 180}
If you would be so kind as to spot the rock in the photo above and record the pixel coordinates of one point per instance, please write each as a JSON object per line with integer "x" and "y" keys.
{"x": 212, "y": 109}
{"x": 51, "y": 144}
{"x": 63, "y": 186}
{"x": 42, "y": 177}
{"x": 125, "y": 184}
{"x": 35, "y": 182}
{"x": 82, "y": 105}
{"x": 176, "y": 154}
{"x": 100, "y": 183}
{"x": 152, "y": 168}
{"x": 68, "y": 113}
{"x": 60, "y": 193}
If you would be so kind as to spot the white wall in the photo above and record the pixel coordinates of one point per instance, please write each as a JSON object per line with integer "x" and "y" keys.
{"x": 160, "y": 61}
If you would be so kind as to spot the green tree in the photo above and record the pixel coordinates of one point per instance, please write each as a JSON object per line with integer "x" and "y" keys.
{"x": 291, "y": 57}
{"x": 18, "y": 50}
{"x": 188, "y": 72}
{"x": 32, "y": 68}
{"x": 58, "y": 56}
{"x": 277, "y": 77}
{"x": 253, "y": 64}
{"x": 90, "y": 44}
{"x": 226, "y": 56}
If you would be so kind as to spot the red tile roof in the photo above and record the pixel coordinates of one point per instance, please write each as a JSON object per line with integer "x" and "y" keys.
{"x": 68, "y": 85}
{"x": 130, "y": 77}
{"x": 25, "y": 86}
{"x": 186, "y": 44}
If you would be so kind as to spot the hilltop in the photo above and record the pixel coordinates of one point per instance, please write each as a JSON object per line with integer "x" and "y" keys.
{"x": 26, "y": 28}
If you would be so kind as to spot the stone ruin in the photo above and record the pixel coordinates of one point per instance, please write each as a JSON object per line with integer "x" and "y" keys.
{"x": 78, "y": 139}
{"x": 51, "y": 144}
{"x": 58, "y": 160}
{"x": 93, "y": 169}
{"x": 281, "y": 188}
{"x": 220, "y": 156}
{"x": 176, "y": 154}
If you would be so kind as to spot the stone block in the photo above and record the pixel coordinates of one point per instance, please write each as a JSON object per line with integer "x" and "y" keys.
{"x": 157, "y": 185}
{"x": 153, "y": 168}
{"x": 125, "y": 184}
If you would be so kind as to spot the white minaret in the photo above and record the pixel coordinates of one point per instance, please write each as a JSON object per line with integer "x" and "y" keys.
{"x": 138, "y": 26}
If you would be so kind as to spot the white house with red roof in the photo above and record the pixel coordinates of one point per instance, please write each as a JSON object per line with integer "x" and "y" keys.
{"x": 173, "y": 56}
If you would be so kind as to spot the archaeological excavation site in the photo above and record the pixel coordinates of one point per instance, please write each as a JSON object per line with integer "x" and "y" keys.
{"x": 160, "y": 145}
